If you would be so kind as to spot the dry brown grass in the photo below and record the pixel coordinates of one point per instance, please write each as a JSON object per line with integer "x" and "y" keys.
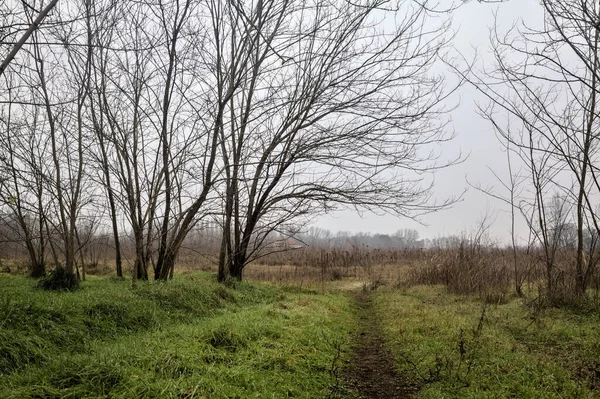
{"x": 486, "y": 271}
{"x": 317, "y": 266}
{"x": 468, "y": 270}
{"x": 310, "y": 275}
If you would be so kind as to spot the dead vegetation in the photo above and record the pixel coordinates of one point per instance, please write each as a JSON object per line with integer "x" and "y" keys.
{"x": 467, "y": 268}
{"x": 317, "y": 265}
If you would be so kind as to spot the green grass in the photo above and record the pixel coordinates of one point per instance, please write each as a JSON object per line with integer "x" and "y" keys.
{"x": 443, "y": 341}
{"x": 190, "y": 337}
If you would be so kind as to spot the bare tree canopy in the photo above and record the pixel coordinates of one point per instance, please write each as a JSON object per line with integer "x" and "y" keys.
{"x": 145, "y": 118}
{"x": 543, "y": 93}
{"x": 26, "y": 35}
{"x": 332, "y": 108}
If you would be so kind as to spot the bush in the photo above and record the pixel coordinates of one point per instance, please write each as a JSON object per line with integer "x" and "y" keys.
{"x": 59, "y": 280}
{"x": 468, "y": 269}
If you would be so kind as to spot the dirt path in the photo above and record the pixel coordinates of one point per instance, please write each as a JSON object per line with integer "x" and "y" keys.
{"x": 371, "y": 370}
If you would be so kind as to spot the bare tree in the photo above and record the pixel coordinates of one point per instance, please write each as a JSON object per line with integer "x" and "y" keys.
{"x": 546, "y": 80}
{"x": 333, "y": 110}
{"x": 23, "y": 177}
{"x": 266, "y": 113}
{"x": 62, "y": 80}
{"x": 407, "y": 238}
{"x": 160, "y": 106}
{"x": 101, "y": 24}
{"x": 124, "y": 76}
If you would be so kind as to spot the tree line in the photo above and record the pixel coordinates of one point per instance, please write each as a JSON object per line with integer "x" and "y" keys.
{"x": 152, "y": 116}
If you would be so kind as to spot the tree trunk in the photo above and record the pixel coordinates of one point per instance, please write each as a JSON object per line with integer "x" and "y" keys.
{"x": 239, "y": 258}
{"x": 140, "y": 269}
{"x": 167, "y": 267}
{"x": 38, "y": 270}
{"x": 237, "y": 266}
{"x": 118, "y": 260}
{"x": 223, "y": 258}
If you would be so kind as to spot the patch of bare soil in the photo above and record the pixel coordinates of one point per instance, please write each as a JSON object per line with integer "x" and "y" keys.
{"x": 371, "y": 372}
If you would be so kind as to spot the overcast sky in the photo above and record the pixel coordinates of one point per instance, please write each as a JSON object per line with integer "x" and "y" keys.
{"x": 475, "y": 137}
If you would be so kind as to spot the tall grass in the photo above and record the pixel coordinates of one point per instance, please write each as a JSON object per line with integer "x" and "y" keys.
{"x": 188, "y": 338}
{"x": 310, "y": 266}
{"x": 460, "y": 348}
{"x": 37, "y": 324}
{"x": 469, "y": 269}
{"x": 489, "y": 272}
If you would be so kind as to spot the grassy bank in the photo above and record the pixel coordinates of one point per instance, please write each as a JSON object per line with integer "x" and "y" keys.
{"x": 188, "y": 338}
{"x": 456, "y": 347}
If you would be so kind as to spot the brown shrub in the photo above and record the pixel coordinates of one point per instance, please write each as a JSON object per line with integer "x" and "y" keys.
{"x": 469, "y": 269}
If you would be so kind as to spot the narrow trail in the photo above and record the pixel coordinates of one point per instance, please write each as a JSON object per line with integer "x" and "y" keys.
{"x": 371, "y": 372}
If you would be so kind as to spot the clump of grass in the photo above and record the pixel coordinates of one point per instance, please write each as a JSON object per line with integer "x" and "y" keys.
{"x": 186, "y": 298}
{"x": 232, "y": 336}
{"x": 97, "y": 377}
{"x": 17, "y": 351}
{"x": 227, "y": 339}
{"x": 59, "y": 280}
{"x": 117, "y": 317}
{"x": 468, "y": 269}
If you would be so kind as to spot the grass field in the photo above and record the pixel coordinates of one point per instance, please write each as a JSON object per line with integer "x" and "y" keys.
{"x": 187, "y": 338}
{"x": 457, "y": 347}
{"x": 194, "y": 338}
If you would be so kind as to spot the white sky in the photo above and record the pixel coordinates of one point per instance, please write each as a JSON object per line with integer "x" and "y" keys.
{"x": 475, "y": 137}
